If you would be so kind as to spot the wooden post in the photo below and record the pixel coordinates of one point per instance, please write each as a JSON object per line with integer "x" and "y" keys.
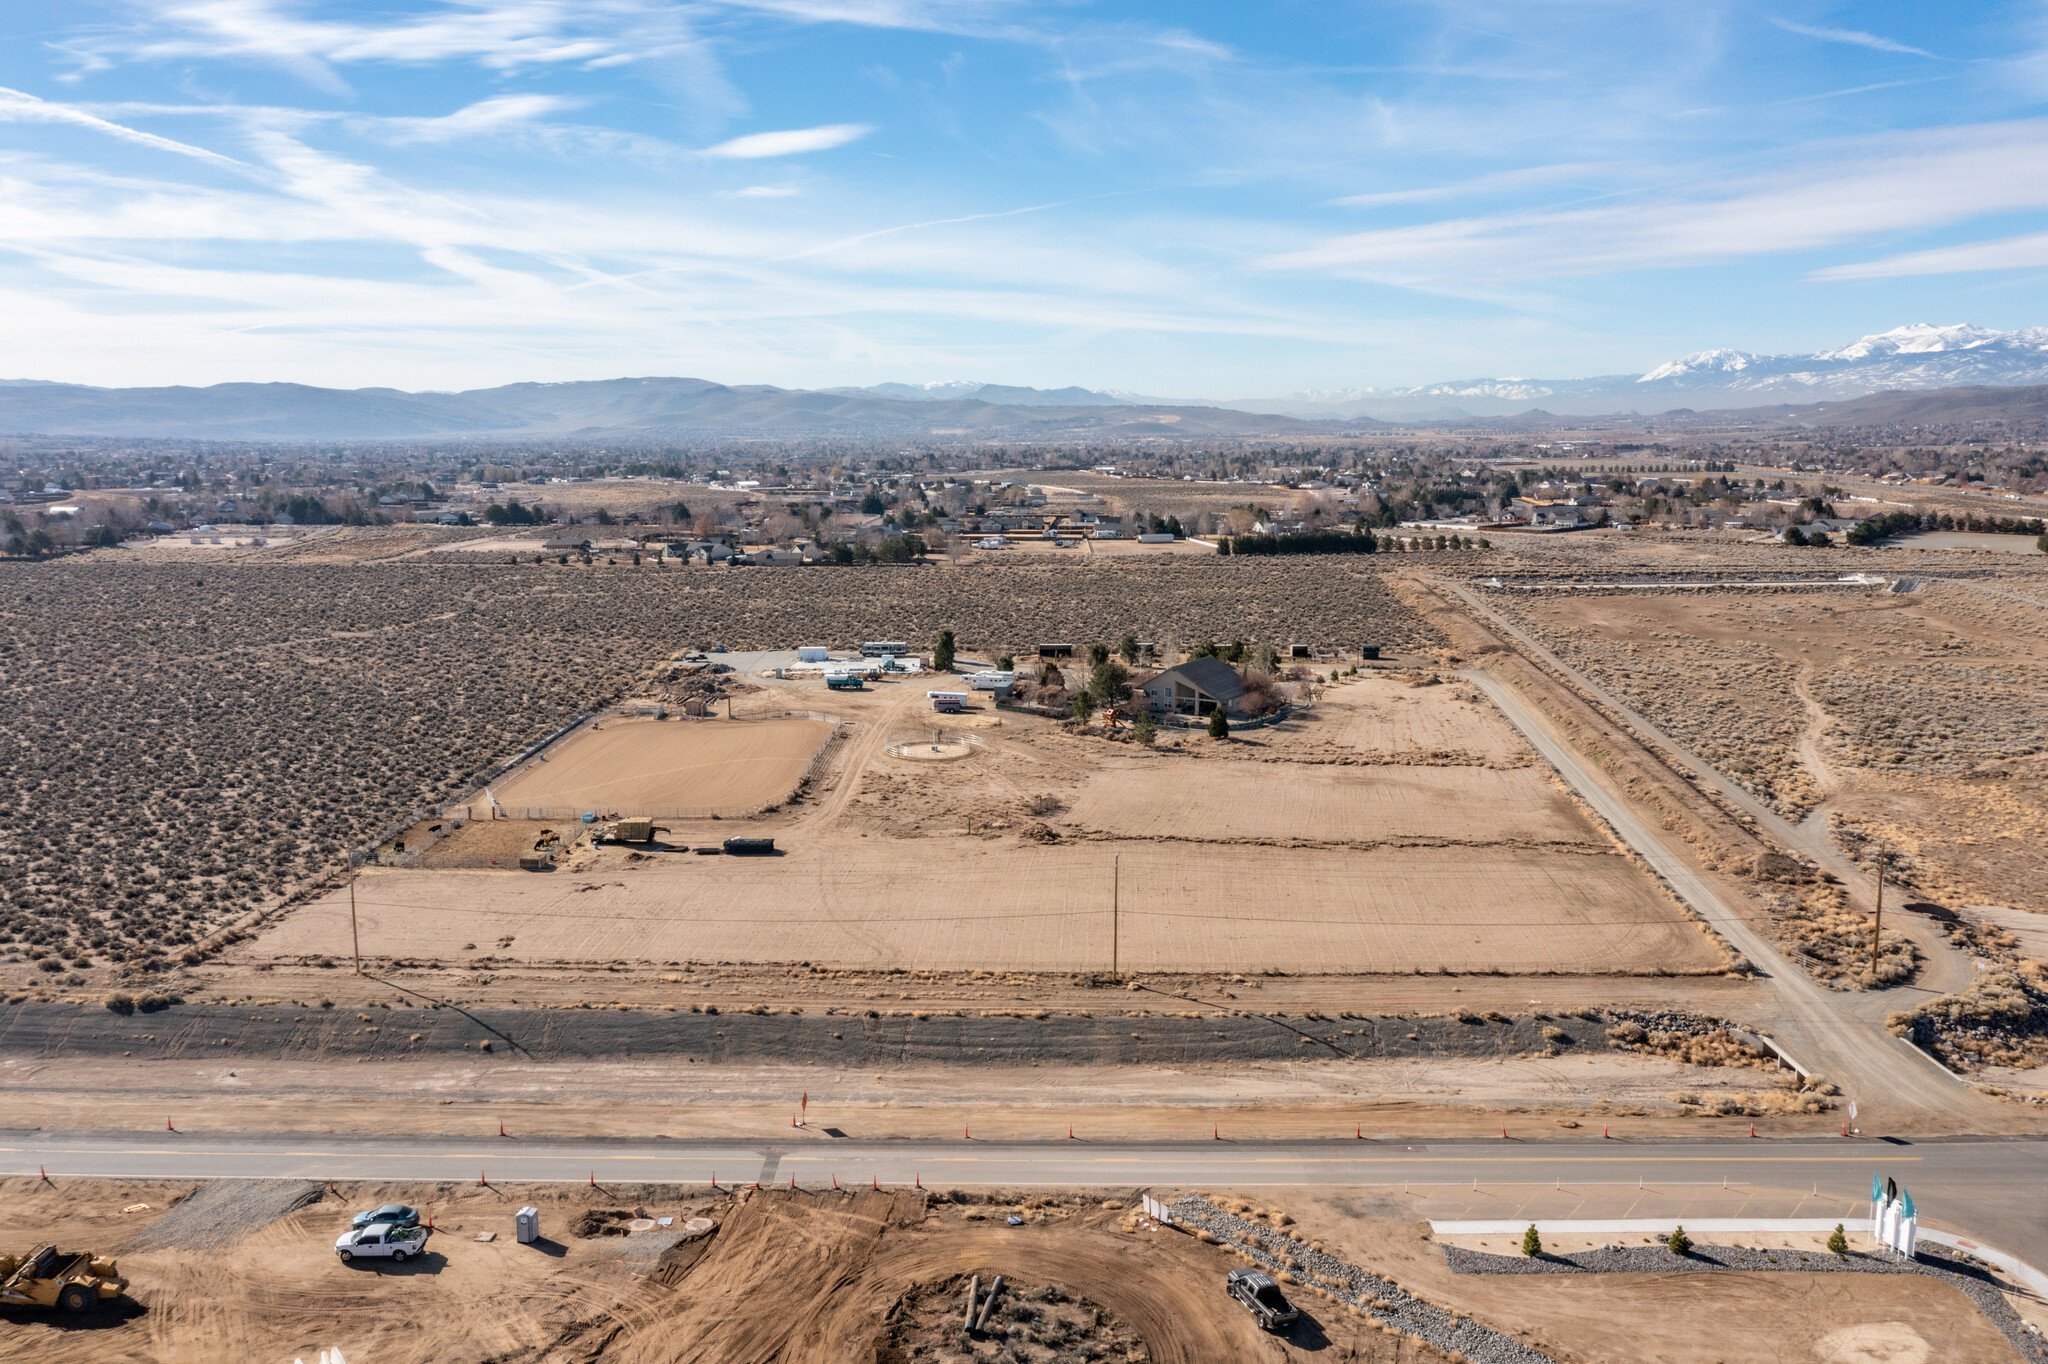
{"x": 1877, "y": 927}
{"x": 973, "y": 1292}
{"x": 1116, "y": 895}
{"x": 354, "y": 936}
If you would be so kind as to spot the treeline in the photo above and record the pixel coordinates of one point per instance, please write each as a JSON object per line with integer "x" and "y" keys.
{"x": 516, "y": 514}
{"x": 1884, "y": 527}
{"x": 1304, "y": 542}
{"x": 895, "y": 549}
{"x": 1343, "y": 542}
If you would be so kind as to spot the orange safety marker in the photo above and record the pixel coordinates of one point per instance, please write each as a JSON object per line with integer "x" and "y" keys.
{"x": 835, "y": 1181}
{"x": 593, "y": 1179}
{"x": 481, "y": 1182}
{"x": 501, "y": 1129}
{"x": 44, "y": 1173}
{"x": 876, "y": 1182}
{"x": 1752, "y": 1129}
{"x": 1216, "y": 1134}
{"x": 1359, "y": 1133}
{"x": 792, "y": 1183}
{"x": 1605, "y": 1135}
{"x": 1070, "y": 1131}
{"x": 1503, "y": 1134}
{"x": 919, "y": 1179}
{"x": 169, "y": 1128}
{"x": 966, "y": 1135}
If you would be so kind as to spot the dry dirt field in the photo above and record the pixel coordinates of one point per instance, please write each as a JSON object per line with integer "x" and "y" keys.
{"x": 1363, "y": 805}
{"x": 1310, "y": 847}
{"x": 823, "y": 1278}
{"x": 645, "y": 766}
{"x": 1003, "y": 906}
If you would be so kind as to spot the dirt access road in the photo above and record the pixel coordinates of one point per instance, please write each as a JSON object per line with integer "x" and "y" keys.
{"x": 1825, "y": 1029}
{"x": 1943, "y": 971}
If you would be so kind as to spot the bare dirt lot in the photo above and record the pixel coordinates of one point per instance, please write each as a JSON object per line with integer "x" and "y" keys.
{"x": 1011, "y": 907}
{"x": 661, "y": 766}
{"x": 1282, "y": 801}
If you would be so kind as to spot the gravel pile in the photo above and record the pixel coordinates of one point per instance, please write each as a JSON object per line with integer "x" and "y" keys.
{"x": 1381, "y": 1299}
{"x": 1952, "y": 1267}
{"x": 219, "y": 1213}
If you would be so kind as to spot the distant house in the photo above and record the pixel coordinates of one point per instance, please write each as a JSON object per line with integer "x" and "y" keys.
{"x": 1195, "y": 687}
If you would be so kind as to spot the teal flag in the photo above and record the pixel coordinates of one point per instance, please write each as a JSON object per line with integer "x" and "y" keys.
{"x": 1905, "y": 1203}
{"x": 1876, "y": 1187}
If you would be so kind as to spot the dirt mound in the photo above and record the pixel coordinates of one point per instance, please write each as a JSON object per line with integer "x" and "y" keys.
{"x": 841, "y": 1271}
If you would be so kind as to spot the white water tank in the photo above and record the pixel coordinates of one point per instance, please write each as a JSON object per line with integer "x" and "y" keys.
{"x": 811, "y": 653}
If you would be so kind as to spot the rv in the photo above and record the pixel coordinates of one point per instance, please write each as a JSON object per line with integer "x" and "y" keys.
{"x": 948, "y": 702}
{"x": 883, "y": 648}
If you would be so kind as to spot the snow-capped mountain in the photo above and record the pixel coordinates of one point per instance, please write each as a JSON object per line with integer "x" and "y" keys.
{"x": 1918, "y": 356}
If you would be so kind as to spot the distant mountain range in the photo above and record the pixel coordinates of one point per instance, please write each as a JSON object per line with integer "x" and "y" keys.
{"x": 653, "y": 408}
{"x": 1913, "y": 358}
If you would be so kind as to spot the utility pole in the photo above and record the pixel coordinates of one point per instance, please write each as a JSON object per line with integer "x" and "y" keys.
{"x": 354, "y": 936}
{"x": 1878, "y": 926}
{"x": 1116, "y": 895}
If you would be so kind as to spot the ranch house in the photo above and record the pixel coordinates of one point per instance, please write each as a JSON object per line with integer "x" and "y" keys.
{"x": 1195, "y": 687}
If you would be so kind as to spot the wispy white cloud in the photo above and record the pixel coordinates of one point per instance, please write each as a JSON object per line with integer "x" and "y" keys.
{"x": 794, "y": 142}
{"x": 2029, "y": 252}
{"x": 485, "y": 116}
{"x": 18, "y": 107}
{"x": 1853, "y": 37}
{"x": 1841, "y": 194}
{"x": 764, "y": 192}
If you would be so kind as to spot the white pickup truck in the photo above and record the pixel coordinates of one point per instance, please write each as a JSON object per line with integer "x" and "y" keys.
{"x": 381, "y": 1239}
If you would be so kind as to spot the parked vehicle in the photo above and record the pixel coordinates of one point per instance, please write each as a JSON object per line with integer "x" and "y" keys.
{"x": 397, "y": 1214}
{"x": 381, "y": 1240}
{"x": 844, "y": 682}
{"x": 1262, "y": 1297}
{"x": 48, "y": 1277}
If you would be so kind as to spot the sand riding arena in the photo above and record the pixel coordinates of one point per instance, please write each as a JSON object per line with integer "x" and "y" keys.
{"x": 667, "y": 767}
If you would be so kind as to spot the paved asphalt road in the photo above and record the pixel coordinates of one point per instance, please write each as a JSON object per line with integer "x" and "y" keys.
{"x": 1987, "y": 1188}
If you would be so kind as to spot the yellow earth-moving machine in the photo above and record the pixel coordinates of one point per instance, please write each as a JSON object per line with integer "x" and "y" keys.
{"x": 76, "y": 1281}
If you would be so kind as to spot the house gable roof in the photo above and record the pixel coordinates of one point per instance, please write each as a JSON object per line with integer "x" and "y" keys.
{"x": 1212, "y": 676}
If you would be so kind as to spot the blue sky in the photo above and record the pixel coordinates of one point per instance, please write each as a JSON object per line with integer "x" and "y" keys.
{"x": 1187, "y": 200}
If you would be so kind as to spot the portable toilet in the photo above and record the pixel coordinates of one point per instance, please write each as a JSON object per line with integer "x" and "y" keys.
{"x": 528, "y": 1222}
{"x": 811, "y": 653}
